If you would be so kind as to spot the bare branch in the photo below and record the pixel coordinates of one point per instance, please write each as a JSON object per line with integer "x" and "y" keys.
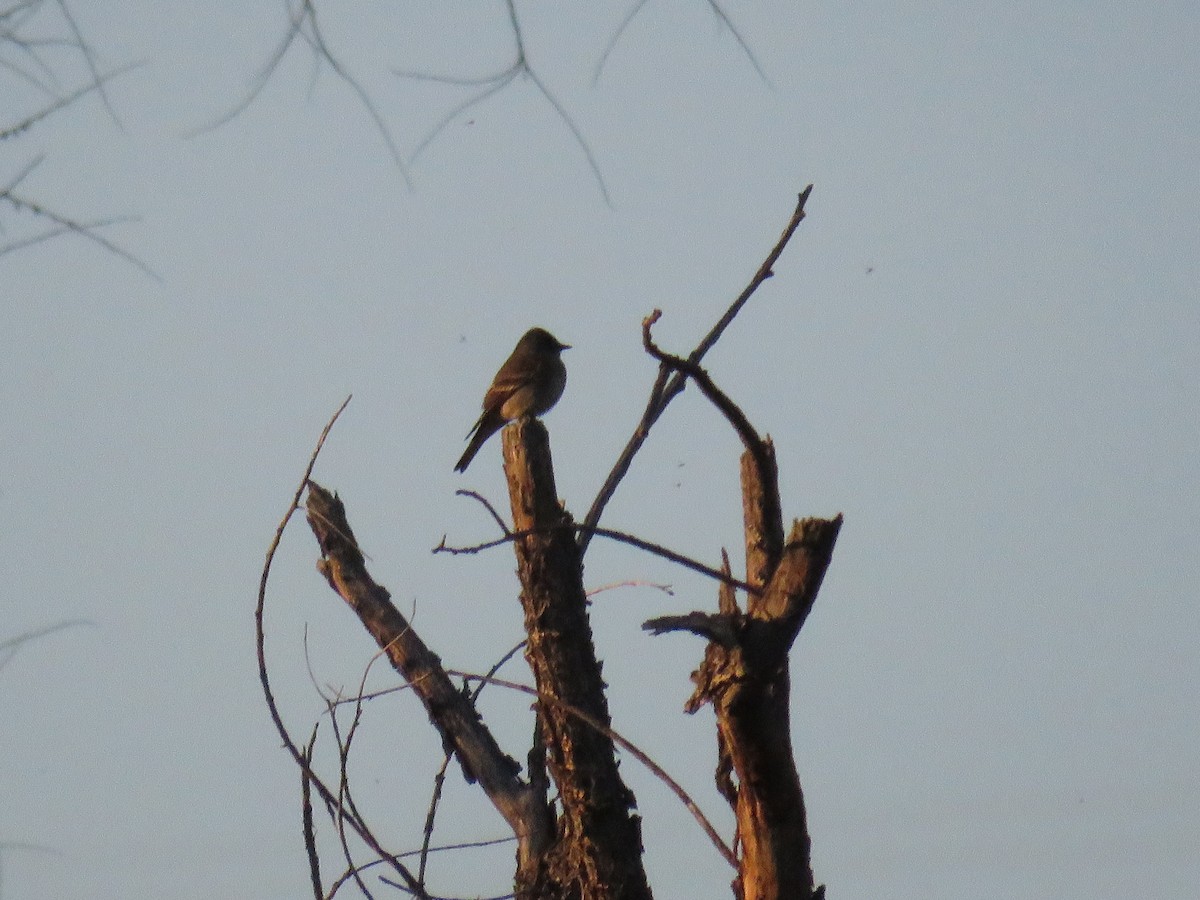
{"x": 501, "y": 82}
{"x": 65, "y": 225}
{"x": 737, "y": 36}
{"x": 89, "y": 55}
{"x": 297, "y": 754}
{"x": 717, "y": 11}
{"x": 730, "y": 410}
{"x": 302, "y": 25}
{"x": 439, "y": 781}
{"x": 760, "y": 473}
{"x": 666, "y": 388}
{"x": 439, "y": 778}
{"x": 317, "y": 41}
{"x": 452, "y": 713}
{"x": 628, "y": 746}
{"x": 496, "y": 83}
{"x": 575, "y": 132}
{"x": 295, "y": 23}
{"x": 475, "y": 495}
{"x": 632, "y": 582}
{"x": 616, "y": 37}
{"x": 620, "y": 536}
{"x": 10, "y": 646}
{"x": 306, "y": 816}
{"x": 62, "y": 102}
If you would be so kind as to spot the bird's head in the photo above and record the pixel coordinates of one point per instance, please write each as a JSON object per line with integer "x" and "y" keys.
{"x": 539, "y": 340}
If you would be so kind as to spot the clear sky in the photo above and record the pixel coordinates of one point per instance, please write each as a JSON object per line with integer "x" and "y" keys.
{"x": 981, "y": 347}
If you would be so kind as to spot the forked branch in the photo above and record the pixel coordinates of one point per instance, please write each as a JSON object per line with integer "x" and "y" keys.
{"x": 666, "y": 386}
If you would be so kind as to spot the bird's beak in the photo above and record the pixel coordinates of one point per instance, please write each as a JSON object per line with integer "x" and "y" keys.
{"x": 564, "y": 346}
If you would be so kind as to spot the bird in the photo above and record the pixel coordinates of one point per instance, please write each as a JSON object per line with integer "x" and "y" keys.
{"x": 528, "y": 384}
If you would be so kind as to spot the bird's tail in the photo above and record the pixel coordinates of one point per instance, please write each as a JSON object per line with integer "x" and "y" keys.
{"x": 479, "y": 436}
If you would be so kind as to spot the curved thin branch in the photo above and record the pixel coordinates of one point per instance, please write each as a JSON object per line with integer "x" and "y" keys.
{"x": 458, "y": 110}
{"x": 737, "y": 36}
{"x": 306, "y": 15}
{"x": 297, "y": 754}
{"x": 317, "y": 41}
{"x": 295, "y": 23}
{"x": 717, "y": 11}
{"x": 475, "y": 495}
{"x": 64, "y": 225}
{"x": 616, "y": 37}
{"x": 439, "y": 779}
{"x": 575, "y": 132}
{"x": 495, "y": 84}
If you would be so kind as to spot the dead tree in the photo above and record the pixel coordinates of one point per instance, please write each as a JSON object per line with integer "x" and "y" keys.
{"x": 587, "y": 845}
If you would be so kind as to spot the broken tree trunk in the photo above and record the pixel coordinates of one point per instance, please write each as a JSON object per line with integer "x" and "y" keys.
{"x": 598, "y": 853}
{"x": 745, "y": 677}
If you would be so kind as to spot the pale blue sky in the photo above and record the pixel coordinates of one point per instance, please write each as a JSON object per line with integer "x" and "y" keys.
{"x": 981, "y": 347}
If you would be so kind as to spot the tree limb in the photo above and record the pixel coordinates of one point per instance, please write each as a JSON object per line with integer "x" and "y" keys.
{"x": 666, "y": 389}
{"x": 451, "y": 712}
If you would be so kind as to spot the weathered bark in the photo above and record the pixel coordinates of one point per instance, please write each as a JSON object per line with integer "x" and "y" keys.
{"x": 761, "y": 513}
{"x": 523, "y": 806}
{"x": 746, "y": 680}
{"x": 753, "y": 716}
{"x": 598, "y": 854}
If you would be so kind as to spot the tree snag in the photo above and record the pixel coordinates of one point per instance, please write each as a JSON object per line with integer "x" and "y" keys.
{"x": 599, "y": 849}
{"x": 586, "y": 843}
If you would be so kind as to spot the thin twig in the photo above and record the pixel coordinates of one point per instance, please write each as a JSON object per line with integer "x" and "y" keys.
{"x": 757, "y": 448}
{"x": 65, "y": 225}
{"x": 620, "y": 536}
{"x": 10, "y": 647}
{"x": 498, "y": 84}
{"x": 89, "y": 56}
{"x": 440, "y": 778}
{"x": 46, "y": 111}
{"x": 737, "y": 36}
{"x": 439, "y": 781}
{"x": 462, "y": 845}
{"x": 475, "y": 495}
{"x": 631, "y": 582}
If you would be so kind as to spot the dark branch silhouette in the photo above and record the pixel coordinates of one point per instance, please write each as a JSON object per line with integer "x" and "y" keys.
{"x": 619, "y": 536}
{"x": 717, "y": 11}
{"x": 302, "y": 25}
{"x": 33, "y": 67}
{"x": 666, "y": 386}
{"x": 493, "y": 85}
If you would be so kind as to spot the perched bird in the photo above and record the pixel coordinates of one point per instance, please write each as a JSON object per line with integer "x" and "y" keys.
{"x": 528, "y": 384}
